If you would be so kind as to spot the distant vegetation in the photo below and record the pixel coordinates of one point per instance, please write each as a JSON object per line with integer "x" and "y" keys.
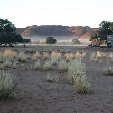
{"x": 50, "y": 40}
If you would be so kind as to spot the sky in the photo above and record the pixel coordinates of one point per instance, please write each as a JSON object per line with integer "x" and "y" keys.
{"x": 23, "y": 13}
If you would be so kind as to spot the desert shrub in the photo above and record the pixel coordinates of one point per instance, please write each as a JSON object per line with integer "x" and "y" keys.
{"x": 55, "y": 57}
{"x": 62, "y": 65}
{"x": 9, "y": 53}
{"x": 46, "y": 55}
{"x": 101, "y": 54}
{"x": 110, "y": 58}
{"x": 52, "y": 77}
{"x": 93, "y": 56}
{"x": 37, "y": 65}
{"x": 47, "y": 65}
{"x": 8, "y": 63}
{"x": 81, "y": 84}
{"x": 69, "y": 55}
{"x": 7, "y": 87}
{"x": 75, "y": 67}
{"x": 77, "y": 76}
{"x": 2, "y": 58}
{"x": 108, "y": 70}
{"x": 36, "y": 56}
{"x": 22, "y": 57}
{"x": 80, "y": 54}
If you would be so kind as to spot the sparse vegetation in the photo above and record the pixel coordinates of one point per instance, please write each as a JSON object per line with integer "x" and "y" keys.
{"x": 36, "y": 56}
{"x": 110, "y": 58}
{"x": 81, "y": 84}
{"x": 37, "y": 65}
{"x": 62, "y": 65}
{"x": 22, "y": 57}
{"x": 77, "y": 76}
{"x": 93, "y": 56}
{"x": 9, "y": 53}
{"x": 108, "y": 71}
{"x": 52, "y": 77}
{"x": 70, "y": 56}
{"x": 55, "y": 57}
{"x": 48, "y": 65}
{"x": 7, "y": 87}
{"x": 46, "y": 55}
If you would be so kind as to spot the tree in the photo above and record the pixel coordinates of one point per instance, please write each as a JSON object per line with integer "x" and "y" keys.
{"x": 50, "y": 40}
{"x": 75, "y": 41}
{"x": 111, "y": 26}
{"x": 26, "y": 40}
{"x": 8, "y": 33}
{"x": 93, "y": 36}
{"x": 104, "y": 30}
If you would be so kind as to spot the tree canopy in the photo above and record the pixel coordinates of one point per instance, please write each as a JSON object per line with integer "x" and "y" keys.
{"x": 105, "y": 28}
{"x": 8, "y": 33}
{"x": 50, "y": 40}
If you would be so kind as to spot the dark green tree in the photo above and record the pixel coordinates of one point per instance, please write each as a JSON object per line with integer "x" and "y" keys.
{"x": 104, "y": 30}
{"x": 50, "y": 40}
{"x": 8, "y": 33}
{"x": 93, "y": 36}
{"x": 111, "y": 26}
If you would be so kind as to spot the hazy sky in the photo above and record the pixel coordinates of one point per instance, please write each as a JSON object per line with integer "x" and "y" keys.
{"x": 23, "y": 13}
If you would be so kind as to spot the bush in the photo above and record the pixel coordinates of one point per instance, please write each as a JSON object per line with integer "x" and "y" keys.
{"x": 93, "y": 56}
{"x": 46, "y": 55}
{"x": 77, "y": 76}
{"x": 55, "y": 57}
{"x": 62, "y": 65}
{"x": 8, "y": 64}
{"x": 36, "y": 56}
{"x": 48, "y": 65}
{"x": 108, "y": 70}
{"x": 52, "y": 77}
{"x": 70, "y": 56}
{"x": 50, "y": 40}
{"x": 37, "y": 65}
{"x": 80, "y": 54}
{"x": 110, "y": 58}
{"x": 22, "y": 57}
{"x": 9, "y": 53}
{"x": 7, "y": 87}
{"x": 81, "y": 84}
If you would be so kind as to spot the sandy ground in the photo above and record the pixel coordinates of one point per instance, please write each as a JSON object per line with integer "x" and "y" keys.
{"x": 34, "y": 94}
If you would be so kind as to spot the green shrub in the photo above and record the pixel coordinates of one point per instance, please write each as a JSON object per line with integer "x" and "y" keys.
{"x": 7, "y": 87}
{"x": 108, "y": 70}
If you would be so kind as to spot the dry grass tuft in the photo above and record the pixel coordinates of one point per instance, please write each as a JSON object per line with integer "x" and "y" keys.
{"x": 9, "y": 53}
{"x": 36, "y": 56}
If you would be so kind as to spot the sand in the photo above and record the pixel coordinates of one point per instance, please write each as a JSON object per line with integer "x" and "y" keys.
{"x": 34, "y": 94}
